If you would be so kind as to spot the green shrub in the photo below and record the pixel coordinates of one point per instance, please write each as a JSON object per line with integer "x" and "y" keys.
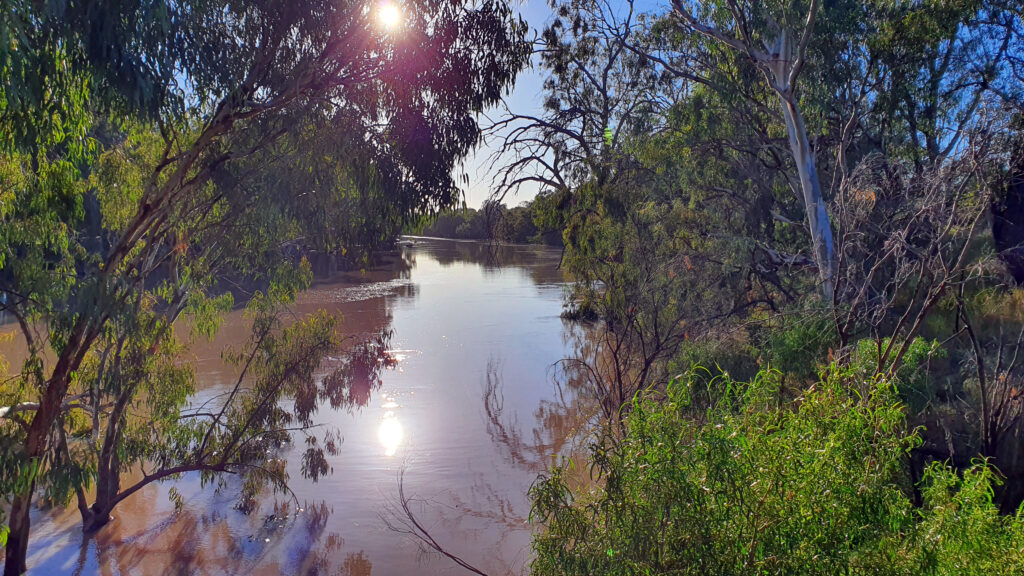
{"x": 960, "y": 531}
{"x": 718, "y": 356}
{"x": 912, "y": 378}
{"x": 798, "y": 346}
{"x": 752, "y": 486}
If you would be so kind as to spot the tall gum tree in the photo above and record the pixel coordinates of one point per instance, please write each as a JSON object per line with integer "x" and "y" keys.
{"x": 778, "y": 48}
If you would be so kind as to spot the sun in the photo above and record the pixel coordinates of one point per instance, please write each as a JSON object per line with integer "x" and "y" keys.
{"x": 389, "y": 15}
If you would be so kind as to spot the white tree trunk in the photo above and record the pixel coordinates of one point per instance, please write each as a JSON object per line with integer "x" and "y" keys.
{"x": 817, "y": 213}
{"x": 781, "y": 62}
{"x": 803, "y": 154}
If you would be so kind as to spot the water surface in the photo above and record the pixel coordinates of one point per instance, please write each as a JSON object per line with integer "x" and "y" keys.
{"x": 470, "y": 413}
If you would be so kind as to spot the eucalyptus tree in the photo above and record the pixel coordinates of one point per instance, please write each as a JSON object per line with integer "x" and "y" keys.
{"x": 858, "y": 78}
{"x": 906, "y": 105}
{"x": 605, "y": 102}
{"x": 645, "y": 176}
{"x": 60, "y": 60}
{"x": 102, "y": 250}
{"x": 776, "y": 41}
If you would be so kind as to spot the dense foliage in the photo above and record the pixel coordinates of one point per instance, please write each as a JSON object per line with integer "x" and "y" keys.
{"x": 695, "y": 150}
{"x": 755, "y": 482}
{"x": 795, "y": 185}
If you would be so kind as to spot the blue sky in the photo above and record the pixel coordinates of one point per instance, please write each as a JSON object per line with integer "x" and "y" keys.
{"x": 525, "y": 99}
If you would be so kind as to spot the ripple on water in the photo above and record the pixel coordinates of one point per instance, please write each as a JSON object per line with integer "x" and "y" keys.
{"x": 355, "y": 293}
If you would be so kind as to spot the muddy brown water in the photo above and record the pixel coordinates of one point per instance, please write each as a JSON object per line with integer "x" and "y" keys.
{"x": 471, "y": 413}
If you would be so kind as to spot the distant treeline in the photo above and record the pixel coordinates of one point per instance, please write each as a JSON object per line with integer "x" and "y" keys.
{"x": 536, "y": 221}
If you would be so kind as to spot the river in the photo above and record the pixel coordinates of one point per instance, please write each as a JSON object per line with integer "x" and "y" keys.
{"x": 469, "y": 416}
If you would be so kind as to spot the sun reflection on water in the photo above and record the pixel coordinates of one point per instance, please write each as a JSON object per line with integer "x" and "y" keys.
{"x": 390, "y": 433}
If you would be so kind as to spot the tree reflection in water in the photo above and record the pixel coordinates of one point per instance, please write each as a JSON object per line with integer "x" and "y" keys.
{"x": 557, "y": 423}
{"x": 209, "y": 535}
{"x": 287, "y": 541}
{"x": 493, "y": 258}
